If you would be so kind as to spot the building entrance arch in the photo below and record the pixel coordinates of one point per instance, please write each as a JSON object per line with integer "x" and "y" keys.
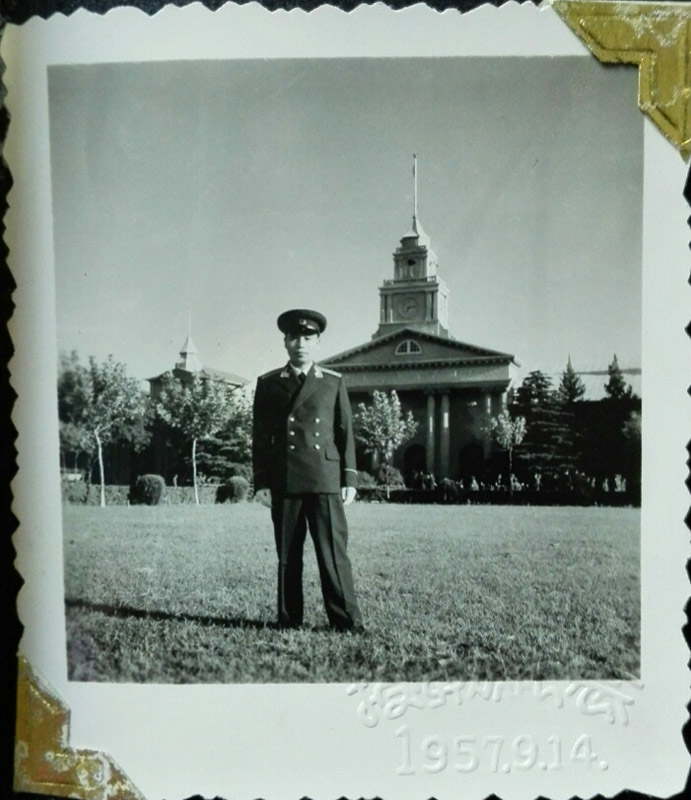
{"x": 414, "y": 461}
{"x": 470, "y": 461}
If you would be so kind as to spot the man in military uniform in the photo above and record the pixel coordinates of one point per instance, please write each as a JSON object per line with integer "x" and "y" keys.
{"x": 304, "y": 469}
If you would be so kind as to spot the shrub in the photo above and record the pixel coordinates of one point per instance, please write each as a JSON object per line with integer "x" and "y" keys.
{"x": 239, "y": 470}
{"x": 147, "y": 490}
{"x": 365, "y": 480}
{"x": 371, "y": 494}
{"x": 234, "y": 491}
{"x": 390, "y": 476}
{"x": 73, "y": 491}
{"x": 184, "y": 495}
{"x": 115, "y": 495}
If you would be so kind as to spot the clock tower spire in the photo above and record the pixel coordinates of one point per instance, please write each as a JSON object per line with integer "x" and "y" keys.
{"x": 414, "y": 186}
{"x": 416, "y": 297}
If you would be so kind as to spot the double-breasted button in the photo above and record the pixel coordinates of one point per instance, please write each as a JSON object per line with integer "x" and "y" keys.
{"x": 292, "y": 433}
{"x": 291, "y": 419}
{"x": 291, "y": 447}
{"x": 316, "y": 433}
{"x": 317, "y": 420}
{"x": 316, "y": 447}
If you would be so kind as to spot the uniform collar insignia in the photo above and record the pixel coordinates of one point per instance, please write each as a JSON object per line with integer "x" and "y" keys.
{"x": 288, "y": 372}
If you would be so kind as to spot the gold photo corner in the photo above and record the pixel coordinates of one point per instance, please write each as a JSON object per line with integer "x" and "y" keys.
{"x": 656, "y": 37}
{"x": 44, "y": 763}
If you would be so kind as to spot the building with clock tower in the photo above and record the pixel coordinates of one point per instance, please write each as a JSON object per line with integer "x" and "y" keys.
{"x": 451, "y": 387}
{"x": 416, "y": 295}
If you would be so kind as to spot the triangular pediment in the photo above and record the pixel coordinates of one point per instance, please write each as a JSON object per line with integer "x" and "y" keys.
{"x": 409, "y": 346}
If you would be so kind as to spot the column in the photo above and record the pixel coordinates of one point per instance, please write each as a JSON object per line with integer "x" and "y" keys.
{"x": 430, "y": 433}
{"x": 444, "y": 439}
{"x": 487, "y": 439}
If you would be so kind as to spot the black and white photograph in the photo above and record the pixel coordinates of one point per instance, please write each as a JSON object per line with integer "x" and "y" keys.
{"x": 332, "y": 335}
{"x": 478, "y": 379}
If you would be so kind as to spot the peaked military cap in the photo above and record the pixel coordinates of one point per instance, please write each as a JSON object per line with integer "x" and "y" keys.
{"x": 301, "y": 320}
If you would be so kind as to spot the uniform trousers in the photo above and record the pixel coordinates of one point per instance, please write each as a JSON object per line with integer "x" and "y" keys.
{"x": 325, "y": 517}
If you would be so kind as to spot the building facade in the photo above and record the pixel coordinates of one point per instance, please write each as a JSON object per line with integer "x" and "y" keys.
{"x": 451, "y": 387}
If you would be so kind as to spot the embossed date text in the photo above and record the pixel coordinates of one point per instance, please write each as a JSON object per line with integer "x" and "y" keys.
{"x": 494, "y": 753}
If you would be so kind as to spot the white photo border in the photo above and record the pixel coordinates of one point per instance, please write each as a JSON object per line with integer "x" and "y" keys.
{"x": 220, "y": 740}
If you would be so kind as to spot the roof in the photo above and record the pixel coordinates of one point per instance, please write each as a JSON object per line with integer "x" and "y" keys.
{"x": 228, "y": 377}
{"x": 416, "y": 231}
{"x": 188, "y": 346}
{"x": 189, "y": 357}
{"x": 190, "y": 364}
{"x": 459, "y": 352}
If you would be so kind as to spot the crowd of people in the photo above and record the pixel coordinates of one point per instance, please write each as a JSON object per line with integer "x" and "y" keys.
{"x": 566, "y": 481}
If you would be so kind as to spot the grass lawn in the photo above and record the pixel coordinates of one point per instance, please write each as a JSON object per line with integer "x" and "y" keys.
{"x": 180, "y": 594}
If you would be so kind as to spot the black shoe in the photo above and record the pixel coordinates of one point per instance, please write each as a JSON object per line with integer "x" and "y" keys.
{"x": 288, "y": 626}
{"x": 356, "y": 627}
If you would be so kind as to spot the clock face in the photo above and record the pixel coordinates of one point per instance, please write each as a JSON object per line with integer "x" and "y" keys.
{"x": 408, "y": 306}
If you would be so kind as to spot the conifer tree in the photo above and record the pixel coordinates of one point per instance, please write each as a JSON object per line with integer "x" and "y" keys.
{"x": 616, "y": 387}
{"x": 535, "y": 390}
{"x": 220, "y": 454}
{"x": 549, "y": 445}
{"x": 571, "y": 388}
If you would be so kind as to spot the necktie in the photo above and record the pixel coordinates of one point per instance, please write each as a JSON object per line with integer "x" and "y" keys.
{"x": 301, "y": 377}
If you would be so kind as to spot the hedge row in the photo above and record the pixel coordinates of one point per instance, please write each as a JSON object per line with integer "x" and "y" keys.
{"x": 76, "y": 493}
{"x": 500, "y": 497}
{"x": 208, "y": 495}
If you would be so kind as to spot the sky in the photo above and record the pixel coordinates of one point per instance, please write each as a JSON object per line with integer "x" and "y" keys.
{"x": 217, "y": 194}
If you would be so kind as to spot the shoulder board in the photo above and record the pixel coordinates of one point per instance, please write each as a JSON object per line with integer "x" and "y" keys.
{"x": 327, "y": 371}
{"x": 271, "y": 373}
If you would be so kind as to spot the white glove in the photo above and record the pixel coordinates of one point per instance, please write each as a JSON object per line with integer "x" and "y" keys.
{"x": 263, "y": 496}
{"x": 348, "y": 494}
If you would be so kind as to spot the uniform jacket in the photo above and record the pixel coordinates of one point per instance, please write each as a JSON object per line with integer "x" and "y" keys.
{"x": 303, "y": 437}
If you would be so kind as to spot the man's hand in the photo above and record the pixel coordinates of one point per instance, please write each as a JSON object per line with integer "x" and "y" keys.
{"x": 348, "y": 494}
{"x": 263, "y": 496}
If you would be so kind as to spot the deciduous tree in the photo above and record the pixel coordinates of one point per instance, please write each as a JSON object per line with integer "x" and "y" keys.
{"x": 632, "y": 452}
{"x": 100, "y": 404}
{"x": 508, "y": 434}
{"x": 232, "y": 445}
{"x": 382, "y": 426}
{"x": 198, "y": 407}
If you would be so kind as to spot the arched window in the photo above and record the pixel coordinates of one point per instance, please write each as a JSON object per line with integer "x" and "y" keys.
{"x": 407, "y": 347}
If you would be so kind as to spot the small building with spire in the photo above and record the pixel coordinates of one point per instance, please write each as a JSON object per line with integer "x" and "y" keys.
{"x": 163, "y": 455}
{"x": 451, "y": 387}
{"x": 190, "y": 364}
{"x": 189, "y": 357}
